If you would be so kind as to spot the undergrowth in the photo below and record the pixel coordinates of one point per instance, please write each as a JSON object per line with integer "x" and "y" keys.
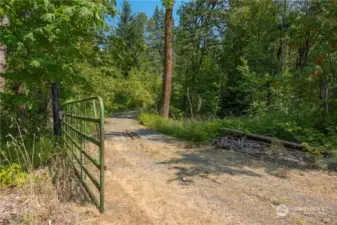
{"x": 25, "y": 148}
{"x": 21, "y": 153}
{"x": 205, "y": 131}
{"x": 12, "y": 175}
{"x": 32, "y": 171}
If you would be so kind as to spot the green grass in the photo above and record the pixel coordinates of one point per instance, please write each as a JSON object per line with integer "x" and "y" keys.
{"x": 35, "y": 151}
{"x": 196, "y": 131}
{"x": 19, "y": 146}
{"x": 205, "y": 131}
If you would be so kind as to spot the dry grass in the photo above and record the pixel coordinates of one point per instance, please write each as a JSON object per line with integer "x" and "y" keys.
{"x": 34, "y": 203}
{"x": 47, "y": 191}
{"x": 52, "y": 195}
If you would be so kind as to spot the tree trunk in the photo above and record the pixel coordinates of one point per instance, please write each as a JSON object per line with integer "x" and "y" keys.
{"x": 2, "y": 66}
{"x": 184, "y": 106}
{"x": 3, "y": 22}
{"x": 303, "y": 53}
{"x": 167, "y": 78}
{"x": 190, "y": 103}
{"x": 324, "y": 96}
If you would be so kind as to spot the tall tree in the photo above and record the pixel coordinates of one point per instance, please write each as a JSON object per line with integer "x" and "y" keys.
{"x": 167, "y": 78}
{"x": 125, "y": 19}
{"x": 129, "y": 38}
{"x": 155, "y": 40}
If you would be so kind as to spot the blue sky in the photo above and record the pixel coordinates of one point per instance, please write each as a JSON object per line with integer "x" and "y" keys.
{"x": 148, "y": 6}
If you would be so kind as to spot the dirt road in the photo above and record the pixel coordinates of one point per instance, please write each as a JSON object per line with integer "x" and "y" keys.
{"x": 161, "y": 180}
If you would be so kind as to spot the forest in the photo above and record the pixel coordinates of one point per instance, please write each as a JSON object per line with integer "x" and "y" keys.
{"x": 265, "y": 66}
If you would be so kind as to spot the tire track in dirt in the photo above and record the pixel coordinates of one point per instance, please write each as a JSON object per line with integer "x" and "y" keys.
{"x": 146, "y": 184}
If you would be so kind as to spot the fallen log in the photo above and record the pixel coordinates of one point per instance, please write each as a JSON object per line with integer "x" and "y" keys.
{"x": 267, "y": 139}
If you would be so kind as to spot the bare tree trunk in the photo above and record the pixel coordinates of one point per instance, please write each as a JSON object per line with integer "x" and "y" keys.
{"x": 167, "y": 79}
{"x": 199, "y": 103}
{"x": 3, "y": 22}
{"x": 2, "y": 66}
{"x": 190, "y": 103}
{"x": 184, "y": 106}
{"x": 303, "y": 54}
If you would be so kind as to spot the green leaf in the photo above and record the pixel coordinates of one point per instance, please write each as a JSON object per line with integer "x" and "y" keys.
{"x": 46, "y": 3}
{"x": 84, "y": 12}
{"x": 29, "y": 37}
{"x": 48, "y": 17}
{"x": 20, "y": 46}
{"x": 69, "y": 11}
{"x": 319, "y": 69}
{"x": 308, "y": 69}
{"x": 35, "y": 63}
{"x": 97, "y": 16}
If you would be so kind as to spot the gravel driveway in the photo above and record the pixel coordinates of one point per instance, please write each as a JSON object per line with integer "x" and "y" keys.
{"x": 157, "y": 179}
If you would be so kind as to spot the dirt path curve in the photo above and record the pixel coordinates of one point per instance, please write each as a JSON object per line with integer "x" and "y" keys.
{"x": 161, "y": 180}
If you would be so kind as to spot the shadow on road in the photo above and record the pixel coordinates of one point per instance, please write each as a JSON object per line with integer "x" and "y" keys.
{"x": 125, "y": 115}
{"x": 209, "y": 161}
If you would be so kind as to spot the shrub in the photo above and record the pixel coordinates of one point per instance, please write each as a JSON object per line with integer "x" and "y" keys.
{"x": 13, "y": 175}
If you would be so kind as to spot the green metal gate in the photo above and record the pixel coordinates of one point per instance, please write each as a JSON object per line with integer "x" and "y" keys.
{"x": 80, "y": 117}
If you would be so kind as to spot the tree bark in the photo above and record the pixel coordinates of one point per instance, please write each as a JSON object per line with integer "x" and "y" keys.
{"x": 190, "y": 103}
{"x": 167, "y": 78}
{"x": 4, "y": 21}
{"x": 2, "y": 66}
{"x": 303, "y": 53}
{"x": 324, "y": 96}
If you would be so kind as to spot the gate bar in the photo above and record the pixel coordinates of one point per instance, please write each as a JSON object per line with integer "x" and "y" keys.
{"x": 69, "y": 129}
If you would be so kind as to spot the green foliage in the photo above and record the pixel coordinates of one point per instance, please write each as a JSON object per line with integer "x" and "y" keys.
{"x": 168, "y": 3}
{"x": 45, "y": 42}
{"x": 138, "y": 90}
{"x": 27, "y": 150}
{"x": 197, "y": 131}
{"x": 196, "y": 75}
{"x": 141, "y": 89}
{"x": 49, "y": 34}
{"x": 205, "y": 131}
{"x": 13, "y": 175}
{"x": 155, "y": 40}
{"x": 130, "y": 34}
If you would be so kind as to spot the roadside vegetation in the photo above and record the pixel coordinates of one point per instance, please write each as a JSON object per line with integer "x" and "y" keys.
{"x": 205, "y": 131}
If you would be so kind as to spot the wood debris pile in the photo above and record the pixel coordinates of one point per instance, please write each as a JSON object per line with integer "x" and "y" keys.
{"x": 273, "y": 151}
